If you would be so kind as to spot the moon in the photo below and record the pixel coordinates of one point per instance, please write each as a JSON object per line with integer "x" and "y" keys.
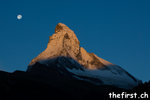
{"x": 19, "y": 17}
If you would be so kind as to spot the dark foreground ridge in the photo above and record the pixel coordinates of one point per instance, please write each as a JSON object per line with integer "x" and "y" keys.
{"x": 48, "y": 84}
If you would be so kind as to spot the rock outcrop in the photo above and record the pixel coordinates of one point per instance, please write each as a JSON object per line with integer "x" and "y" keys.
{"x": 65, "y": 43}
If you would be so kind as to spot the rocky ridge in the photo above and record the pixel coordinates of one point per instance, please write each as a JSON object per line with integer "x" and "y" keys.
{"x": 65, "y": 43}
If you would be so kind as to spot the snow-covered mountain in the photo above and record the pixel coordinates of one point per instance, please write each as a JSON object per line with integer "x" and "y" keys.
{"x": 64, "y": 52}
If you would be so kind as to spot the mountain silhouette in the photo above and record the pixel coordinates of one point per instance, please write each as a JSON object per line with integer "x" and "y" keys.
{"x": 66, "y": 71}
{"x": 64, "y": 51}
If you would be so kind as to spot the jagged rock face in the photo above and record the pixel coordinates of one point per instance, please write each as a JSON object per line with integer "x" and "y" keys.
{"x": 64, "y": 54}
{"x": 65, "y": 43}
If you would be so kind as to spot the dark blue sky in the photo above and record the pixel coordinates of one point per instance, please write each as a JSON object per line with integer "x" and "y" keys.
{"x": 116, "y": 30}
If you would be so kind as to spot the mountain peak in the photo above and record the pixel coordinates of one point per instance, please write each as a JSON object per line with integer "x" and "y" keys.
{"x": 64, "y": 56}
{"x": 60, "y": 27}
{"x": 65, "y": 43}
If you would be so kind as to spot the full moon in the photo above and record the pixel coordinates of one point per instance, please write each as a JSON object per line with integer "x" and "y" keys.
{"x": 19, "y": 17}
